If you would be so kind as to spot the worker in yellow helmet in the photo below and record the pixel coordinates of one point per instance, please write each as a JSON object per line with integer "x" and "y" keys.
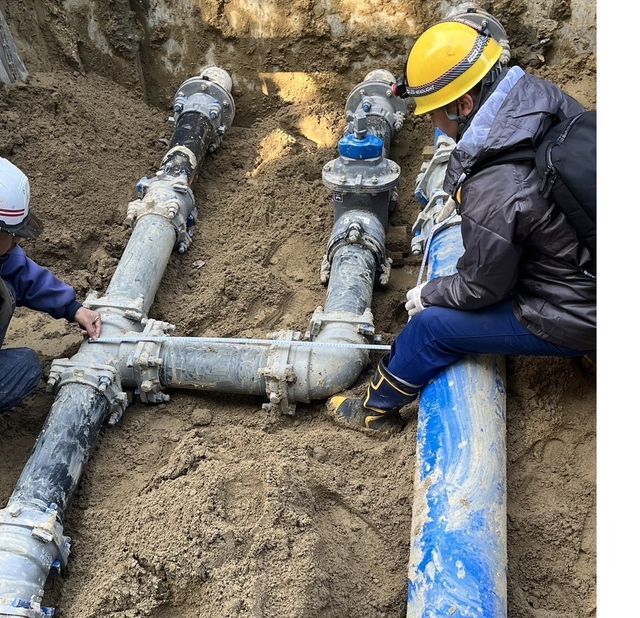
{"x": 523, "y": 285}
{"x": 448, "y": 61}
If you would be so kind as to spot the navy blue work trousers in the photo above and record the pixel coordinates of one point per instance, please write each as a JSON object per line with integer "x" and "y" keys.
{"x": 438, "y": 337}
{"x": 20, "y": 368}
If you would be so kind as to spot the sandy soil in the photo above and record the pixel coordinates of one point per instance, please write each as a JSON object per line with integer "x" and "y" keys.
{"x": 211, "y": 506}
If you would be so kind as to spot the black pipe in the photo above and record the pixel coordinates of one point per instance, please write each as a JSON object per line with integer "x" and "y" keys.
{"x": 194, "y": 131}
{"x": 350, "y": 286}
{"x": 63, "y": 448}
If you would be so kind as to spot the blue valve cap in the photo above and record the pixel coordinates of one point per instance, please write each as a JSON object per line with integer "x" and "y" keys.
{"x": 370, "y": 147}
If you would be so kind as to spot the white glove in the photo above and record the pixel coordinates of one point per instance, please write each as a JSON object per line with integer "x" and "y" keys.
{"x": 414, "y": 302}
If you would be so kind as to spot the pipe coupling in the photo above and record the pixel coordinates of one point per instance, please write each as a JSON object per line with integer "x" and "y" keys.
{"x": 131, "y": 309}
{"x": 279, "y": 373}
{"x": 146, "y": 361}
{"x": 103, "y": 378}
{"x": 32, "y": 544}
{"x": 429, "y": 192}
{"x": 363, "y": 324}
{"x": 374, "y": 97}
{"x": 169, "y": 197}
{"x": 208, "y": 94}
{"x": 361, "y": 228}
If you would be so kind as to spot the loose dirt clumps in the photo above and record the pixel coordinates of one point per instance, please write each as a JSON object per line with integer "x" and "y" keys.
{"x": 210, "y": 505}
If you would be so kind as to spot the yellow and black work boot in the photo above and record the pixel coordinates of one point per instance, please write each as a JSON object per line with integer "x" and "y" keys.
{"x": 377, "y": 413}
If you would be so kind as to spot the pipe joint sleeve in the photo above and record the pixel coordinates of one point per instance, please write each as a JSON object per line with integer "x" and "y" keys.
{"x": 168, "y": 197}
{"x": 428, "y": 191}
{"x": 209, "y": 95}
{"x": 33, "y": 544}
{"x": 146, "y": 361}
{"x": 279, "y": 373}
{"x": 131, "y": 309}
{"x": 375, "y": 98}
{"x": 362, "y": 324}
{"x": 358, "y": 227}
{"x": 103, "y": 378}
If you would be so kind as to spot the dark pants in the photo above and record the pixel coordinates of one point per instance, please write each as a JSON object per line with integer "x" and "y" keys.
{"x": 20, "y": 368}
{"x": 438, "y": 337}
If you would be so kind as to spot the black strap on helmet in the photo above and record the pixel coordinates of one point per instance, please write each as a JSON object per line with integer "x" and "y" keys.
{"x": 402, "y": 89}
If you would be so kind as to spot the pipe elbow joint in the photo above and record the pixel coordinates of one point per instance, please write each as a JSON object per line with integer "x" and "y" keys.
{"x": 333, "y": 372}
{"x": 324, "y": 371}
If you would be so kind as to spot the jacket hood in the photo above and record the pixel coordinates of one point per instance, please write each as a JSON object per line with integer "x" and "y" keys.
{"x": 511, "y": 116}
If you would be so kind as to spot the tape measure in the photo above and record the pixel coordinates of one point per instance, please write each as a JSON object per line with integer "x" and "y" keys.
{"x": 229, "y": 340}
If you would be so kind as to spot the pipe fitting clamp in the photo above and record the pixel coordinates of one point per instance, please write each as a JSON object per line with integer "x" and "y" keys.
{"x": 146, "y": 361}
{"x": 168, "y": 197}
{"x": 279, "y": 373}
{"x": 363, "y": 323}
{"x": 104, "y": 378}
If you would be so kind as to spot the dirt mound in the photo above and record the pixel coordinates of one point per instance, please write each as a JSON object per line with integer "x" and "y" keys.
{"x": 210, "y": 505}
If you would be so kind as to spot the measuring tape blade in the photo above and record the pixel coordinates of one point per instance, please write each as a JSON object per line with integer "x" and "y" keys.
{"x": 230, "y": 340}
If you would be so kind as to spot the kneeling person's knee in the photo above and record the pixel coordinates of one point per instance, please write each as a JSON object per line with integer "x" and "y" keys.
{"x": 20, "y": 373}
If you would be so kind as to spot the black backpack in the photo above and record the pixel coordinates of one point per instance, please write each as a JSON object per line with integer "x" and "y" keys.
{"x": 565, "y": 158}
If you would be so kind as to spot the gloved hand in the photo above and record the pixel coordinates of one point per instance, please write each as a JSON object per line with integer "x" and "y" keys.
{"x": 414, "y": 301}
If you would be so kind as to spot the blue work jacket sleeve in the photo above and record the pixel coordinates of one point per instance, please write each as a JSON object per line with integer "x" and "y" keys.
{"x": 36, "y": 287}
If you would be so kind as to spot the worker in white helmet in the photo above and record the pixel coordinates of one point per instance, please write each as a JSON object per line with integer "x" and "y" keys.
{"x": 25, "y": 283}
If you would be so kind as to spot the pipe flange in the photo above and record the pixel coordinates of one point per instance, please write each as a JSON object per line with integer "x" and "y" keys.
{"x": 207, "y": 94}
{"x": 168, "y": 197}
{"x": 375, "y": 97}
{"x": 104, "y": 378}
{"x": 146, "y": 361}
{"x": 364, "y": 323}
{"x": 347, "y": 175}
{"x": 279, "y": 373}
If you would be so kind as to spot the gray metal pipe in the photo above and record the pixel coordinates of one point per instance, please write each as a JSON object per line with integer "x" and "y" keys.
{"x": 224, "y": 368}
{"x": 58, "y": 458}
{"x": 89, "y": 385}
{"x": 142, "y": 265}
{"x": 31, "y": 537}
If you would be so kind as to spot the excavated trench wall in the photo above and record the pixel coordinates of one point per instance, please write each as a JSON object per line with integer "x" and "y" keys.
{"x": 209, "y": 505}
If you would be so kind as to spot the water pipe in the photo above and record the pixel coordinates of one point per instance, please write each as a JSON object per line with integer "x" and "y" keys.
{"x": 363, "y": 182}
{"x": 458, "y": 557}
{"x": 89, "y": 386}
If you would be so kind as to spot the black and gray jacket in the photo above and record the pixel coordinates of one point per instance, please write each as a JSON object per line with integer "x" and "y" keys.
{"x": 516, "y": 243}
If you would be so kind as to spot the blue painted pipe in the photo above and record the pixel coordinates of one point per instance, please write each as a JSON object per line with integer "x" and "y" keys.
{"x": 458, "y": 560}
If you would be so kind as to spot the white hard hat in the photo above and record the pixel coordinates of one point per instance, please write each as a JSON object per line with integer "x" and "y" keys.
{"x": 15, "y": 217}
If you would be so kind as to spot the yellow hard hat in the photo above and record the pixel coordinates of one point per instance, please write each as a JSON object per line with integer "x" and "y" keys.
{"x": 447, "y": 61}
